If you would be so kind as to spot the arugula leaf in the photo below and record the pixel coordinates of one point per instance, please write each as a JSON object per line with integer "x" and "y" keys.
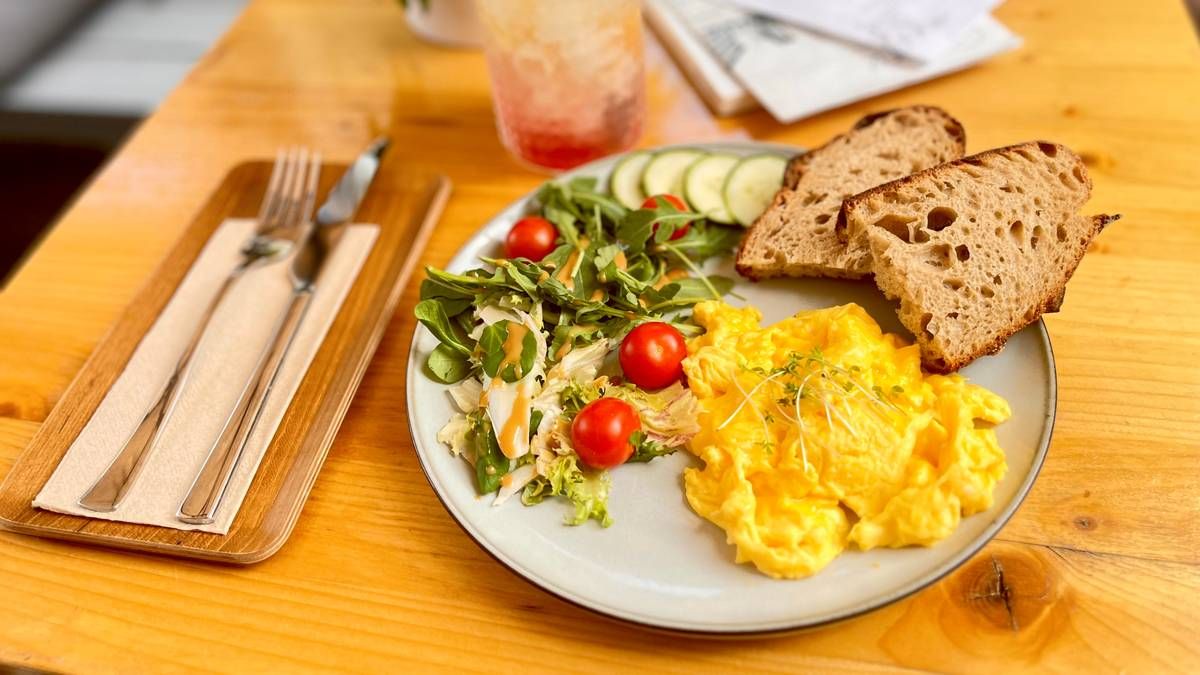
{"x": 554, "y": 290}
{"x": 593, "y": 226}
{"x": 432, "y": 315}
{"x": 564, "y": 221}
{"x": 615, "y": 327}
{"x": 634, "y": 230}
{"x": 705, "y": 240}
{"x": 693, "y": 289}
{"x": 630, "y": 282}
{"x": 521, "y": 279}
{"x": 582, "y": 184}
{"x": 475, "y": 280}
{"x": 557, "y": 258}
{"x": 447, "y": 365}
{"x": 637, "y": 228}
{"x": 690, "y": 290}
{"x": 605, "y": 255}
{"x": 573, "y": 331}
{"x": 587, "y": 281}
{"x": 437, "y": 288}
{"x": 583, "y": 192}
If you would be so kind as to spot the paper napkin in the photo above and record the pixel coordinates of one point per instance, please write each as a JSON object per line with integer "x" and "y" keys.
{"x": 225, "y": 358}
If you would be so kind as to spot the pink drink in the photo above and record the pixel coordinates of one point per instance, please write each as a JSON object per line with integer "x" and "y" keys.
{"x": 567, "y": 77}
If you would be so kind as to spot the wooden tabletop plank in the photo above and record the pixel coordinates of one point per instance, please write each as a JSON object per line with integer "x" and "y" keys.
{"x": 404, "y": 584}
{"x": 1098, "y": 570}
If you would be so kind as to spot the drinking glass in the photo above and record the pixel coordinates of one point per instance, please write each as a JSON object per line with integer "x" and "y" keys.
{"x": 568, "y": 82}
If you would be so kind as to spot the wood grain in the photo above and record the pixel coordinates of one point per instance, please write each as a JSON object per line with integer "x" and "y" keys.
{"x": 405, "y": 206}
{"x": 1100, "y": 563}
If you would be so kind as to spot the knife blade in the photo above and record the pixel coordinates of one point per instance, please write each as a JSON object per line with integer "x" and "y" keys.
{"x": 204, "y": 498}
{"x": 345, "y": 197}
{"x": 273, "y": 237}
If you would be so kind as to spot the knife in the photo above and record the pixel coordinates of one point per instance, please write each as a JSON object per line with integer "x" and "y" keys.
{"x": 208, "y": 489}
{"x": 273, "y": 236}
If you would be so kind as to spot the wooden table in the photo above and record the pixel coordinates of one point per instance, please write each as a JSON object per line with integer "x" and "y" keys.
{"x": 1098, "y": 571}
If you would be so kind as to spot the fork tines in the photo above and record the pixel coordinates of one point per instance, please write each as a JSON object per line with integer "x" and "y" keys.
{"x": 291, "y": 190}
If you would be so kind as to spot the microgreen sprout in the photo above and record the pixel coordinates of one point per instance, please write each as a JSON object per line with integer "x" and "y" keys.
{"x": 813, "y": 377}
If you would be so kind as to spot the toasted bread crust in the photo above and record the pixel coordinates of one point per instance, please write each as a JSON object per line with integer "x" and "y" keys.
{"x": 797, "y": 168}
{"x": 1051, "y": 303}
{"x": 1049, "y": 298}
{"x": 799, "y": 164}
{"x": 860, "y": 199}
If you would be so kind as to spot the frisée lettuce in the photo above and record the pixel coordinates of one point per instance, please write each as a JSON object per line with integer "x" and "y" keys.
{"x": 523, "y": 344}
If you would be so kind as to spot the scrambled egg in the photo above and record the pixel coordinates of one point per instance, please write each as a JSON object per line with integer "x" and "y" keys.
{"x": 821, "y": 431}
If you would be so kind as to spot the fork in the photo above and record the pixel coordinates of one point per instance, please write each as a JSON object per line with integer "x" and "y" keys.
{"x": 281, "y": 221}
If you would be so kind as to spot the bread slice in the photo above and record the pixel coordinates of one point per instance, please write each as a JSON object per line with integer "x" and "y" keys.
{"x": 795, "y": 236}
{"x": 978, "y": 248}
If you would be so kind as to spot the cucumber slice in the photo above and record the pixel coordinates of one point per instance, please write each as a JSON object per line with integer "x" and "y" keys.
{"x": 703, "y": 185}
{"x": 625, "y": 183}
{"x": 751, "y": 185}
{"x": 664, "y": 173}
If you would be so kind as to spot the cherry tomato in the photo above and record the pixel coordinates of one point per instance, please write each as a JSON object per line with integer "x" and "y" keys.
{"x": 652, "y": 355}
{"x": 601, "y": 432}
{"x": 651, "y": 203}
{"x": 531, "y": 237}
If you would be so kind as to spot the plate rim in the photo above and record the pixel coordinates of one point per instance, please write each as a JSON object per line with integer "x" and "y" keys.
{"x": 777, "y": 628}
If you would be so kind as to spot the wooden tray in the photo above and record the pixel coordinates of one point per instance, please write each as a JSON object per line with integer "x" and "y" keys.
{"x": 405, "y": 205}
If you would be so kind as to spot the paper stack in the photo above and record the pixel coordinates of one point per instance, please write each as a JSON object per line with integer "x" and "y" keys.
{"x": 799, "y": 57}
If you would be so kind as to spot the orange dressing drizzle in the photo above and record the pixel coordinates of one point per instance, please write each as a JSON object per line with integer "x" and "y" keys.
{"x": 517, "y": 425}
{"x": 567, "y": 274}
{"x": 667, "y": 278}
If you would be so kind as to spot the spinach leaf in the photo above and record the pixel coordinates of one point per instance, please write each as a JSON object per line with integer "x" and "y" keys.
{"x": 528, "y": 354}
{"x": 495, "y": 361}
{"x": 454, "y": 301}
{"x": 447, "y": 365}
{"x": 535, "y": 420}
{"x": 490, "y": 464}
{"x": 491, "y": 343}
{"x": 432, "y": 315}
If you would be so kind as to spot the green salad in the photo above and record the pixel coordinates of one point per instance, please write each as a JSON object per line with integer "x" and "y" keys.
{"x": 525, "y": 340}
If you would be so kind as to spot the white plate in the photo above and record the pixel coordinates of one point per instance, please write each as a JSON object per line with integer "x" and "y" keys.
{"x": 662, "y": 566}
